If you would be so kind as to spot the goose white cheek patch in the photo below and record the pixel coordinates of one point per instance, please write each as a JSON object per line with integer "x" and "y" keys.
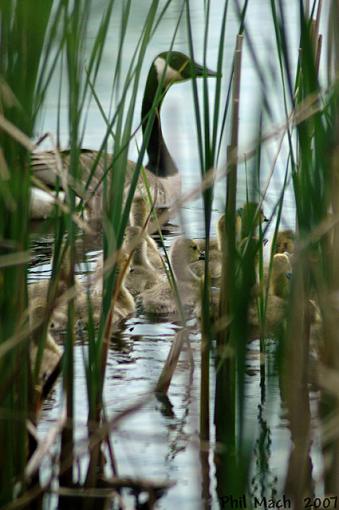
{"x": 171, "y": 74}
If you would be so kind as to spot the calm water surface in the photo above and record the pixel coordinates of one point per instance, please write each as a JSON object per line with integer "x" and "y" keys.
{"x": 161, "y": 441}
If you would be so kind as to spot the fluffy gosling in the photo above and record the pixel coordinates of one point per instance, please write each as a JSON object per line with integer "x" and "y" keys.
{"x": 161, "y": 298}
{"x": 142, "y": 274}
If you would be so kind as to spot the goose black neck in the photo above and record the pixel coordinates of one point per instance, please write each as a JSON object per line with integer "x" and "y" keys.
{"x": 160, "y": 161}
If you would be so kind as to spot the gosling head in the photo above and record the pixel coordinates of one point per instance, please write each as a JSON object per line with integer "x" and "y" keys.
{"x": 281, "y": 264}
{"x": 250, "y": 216}
{"x": 174, "y": 66}
{"x": 284, "y": 241}
{"x": 182, "y": 253}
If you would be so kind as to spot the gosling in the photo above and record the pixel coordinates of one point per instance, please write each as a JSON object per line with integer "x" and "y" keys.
{"x": 124, "y": 304}
{"x": 215, "y": 254}
{"x": 52, "y": 352}
{"x": 38, "y": 291}
{"x": 278, "y": 292}
{"x": 142, "y": 274}
{"x": 160, "y": 299}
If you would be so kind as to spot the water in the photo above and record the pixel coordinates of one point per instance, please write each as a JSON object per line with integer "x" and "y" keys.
{"x": 161, "y": 442}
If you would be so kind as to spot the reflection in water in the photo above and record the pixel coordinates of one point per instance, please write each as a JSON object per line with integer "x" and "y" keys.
{"x": 264, "y": 483}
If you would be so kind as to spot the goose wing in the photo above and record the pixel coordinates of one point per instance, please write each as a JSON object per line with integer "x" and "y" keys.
{"x": 51, "y": 167}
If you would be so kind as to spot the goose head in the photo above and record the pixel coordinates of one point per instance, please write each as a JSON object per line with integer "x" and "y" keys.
{"x": 174, "y": 66}
{"x": 182, "y": 253}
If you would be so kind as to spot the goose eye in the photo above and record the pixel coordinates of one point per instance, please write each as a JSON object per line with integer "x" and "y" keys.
{"x": 194, "y": 247}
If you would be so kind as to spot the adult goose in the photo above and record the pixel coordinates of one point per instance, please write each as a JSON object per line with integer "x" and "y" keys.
{"x": 161, "y": 171}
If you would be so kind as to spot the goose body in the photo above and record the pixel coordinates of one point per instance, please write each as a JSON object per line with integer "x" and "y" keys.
{"x": 161, "y": 172}
{"x": 42, "y": 204}
{"x": 160, "y": 299}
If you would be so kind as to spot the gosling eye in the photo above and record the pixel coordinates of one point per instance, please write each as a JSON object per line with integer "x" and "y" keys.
{"x": 195, "y": 247}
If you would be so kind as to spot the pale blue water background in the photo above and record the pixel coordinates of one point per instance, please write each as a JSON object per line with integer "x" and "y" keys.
{"x": 150, "y": 444}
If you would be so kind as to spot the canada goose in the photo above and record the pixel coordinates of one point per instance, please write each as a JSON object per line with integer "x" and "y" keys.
{"x": 142, "y": 274}
{"x": 162, "y": 174}
{"x": 284, "y": 241}
{"x": 160, "y": 299}
{"x": 52, "y": 352}
{"x": 139, "y": 215}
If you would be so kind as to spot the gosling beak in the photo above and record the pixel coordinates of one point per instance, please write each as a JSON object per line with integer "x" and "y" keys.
{"x": 202, "y": 255}
{"x": 288, "y": 275}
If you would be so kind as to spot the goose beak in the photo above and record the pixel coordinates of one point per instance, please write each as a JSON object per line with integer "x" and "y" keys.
{"x": 199, "y": 70}
{"x": 288, "y": 275}
{"x": 202, "y": 255}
